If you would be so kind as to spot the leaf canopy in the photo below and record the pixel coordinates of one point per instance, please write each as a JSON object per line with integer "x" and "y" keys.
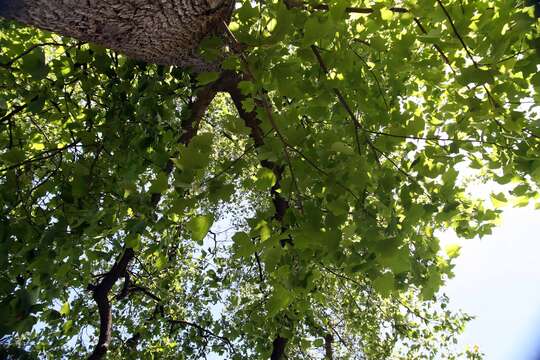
{"x": 304, "y": 202}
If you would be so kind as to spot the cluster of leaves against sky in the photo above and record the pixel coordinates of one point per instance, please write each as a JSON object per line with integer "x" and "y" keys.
{"x": 327, "y": 144}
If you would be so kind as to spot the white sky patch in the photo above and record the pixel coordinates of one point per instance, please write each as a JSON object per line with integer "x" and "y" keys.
{"x": 498, "y": 280}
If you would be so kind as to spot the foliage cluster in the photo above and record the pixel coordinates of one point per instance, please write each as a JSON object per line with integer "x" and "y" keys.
{"x": 288, "y": 204}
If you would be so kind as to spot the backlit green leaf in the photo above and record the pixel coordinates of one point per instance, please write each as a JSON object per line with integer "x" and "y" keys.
{"x": 199, "y": 227}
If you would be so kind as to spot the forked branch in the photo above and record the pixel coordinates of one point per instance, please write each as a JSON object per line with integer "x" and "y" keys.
{"x": 101, "y": 291}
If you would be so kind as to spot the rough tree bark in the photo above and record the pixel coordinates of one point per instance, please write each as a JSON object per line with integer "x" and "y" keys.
{"x": 165, "y": 32}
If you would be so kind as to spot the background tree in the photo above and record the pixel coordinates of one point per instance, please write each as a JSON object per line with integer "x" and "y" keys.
{"x": 325, "y": 137}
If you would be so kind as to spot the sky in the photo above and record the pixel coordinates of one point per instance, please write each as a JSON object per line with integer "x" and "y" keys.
{"x": 498, "y": 280}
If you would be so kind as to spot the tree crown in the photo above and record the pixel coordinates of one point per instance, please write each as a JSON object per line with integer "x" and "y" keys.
{"x": 287, "y": 203}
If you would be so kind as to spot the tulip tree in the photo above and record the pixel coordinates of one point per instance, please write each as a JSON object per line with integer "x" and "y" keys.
{"x": 271, "y": 185}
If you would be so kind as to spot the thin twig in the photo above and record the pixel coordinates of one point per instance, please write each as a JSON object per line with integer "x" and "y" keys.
{"x": 437, "y": 47}
{"x": 204, "y": 330}
{"x": 374, "y": 77}
{"x": 457, "y": 33}
{"x": 316, "y": 167}
{"x": 340, "y": 98}
{"x": 27, "y": 51}
{"x": 434, "y": 138}
{"x": 42, "y": 156}
{"x": 349, "y": 9}
{"x": 494, "y": 103}
{"x": 343, "y": 102}
{"x": 16, "y": 109}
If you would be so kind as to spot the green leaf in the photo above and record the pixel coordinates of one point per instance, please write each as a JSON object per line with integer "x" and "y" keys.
{"x": 498, "y": 200}
{"x": 199, "y": 227}
{"x": 452, "y": 250}
{"x": 378, "y": 43}
{"x": 318, "y": 342}
{"x": 13, "y": 156}
{"x": 67, "y": 326}
{"x": 397, "y": 260}
{"x": 197, "y": 155}
{"x": 475, "y": 75}
{"x": 36, "y": 105}
{"x": 34, "y": 64}
{"x": 264, "y": 230}
{"x": 206, "y": 78}
{"x": 282, "y": 25}
{"x": 265, "y": 179}
{"x": 161, "y": 261}
{"x": 37, "y": 146}
{"x": 244, "y": 246}
{"x": 133, "y": 241}
{"x": 386, "y": 14}
{"x": 432, "y": 37}
{"x": 64, "y": 309}
{"x": 247, "y": 12}
{"x": 342, "y": 148}
{"x": 247, "y": 87}
{"x": 248, "y": 104}
{"x": 279, "y": 300}
{"x": 160, "y": 184}
{"x": 312, "y": 29}
{"x": 432, "y": 285}
{"x": 384, "y": 284}
{"x": 79, "y": 186}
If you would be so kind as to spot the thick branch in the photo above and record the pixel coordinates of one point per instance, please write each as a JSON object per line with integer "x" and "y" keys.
{"x": 329, "y": 353}
{"x": 280, "y": 203}
{"x": 253, "y": 123}
{"x": 191, "y": 121}
{"x": 100, "y": 294}
{"x": 265, "y": 104}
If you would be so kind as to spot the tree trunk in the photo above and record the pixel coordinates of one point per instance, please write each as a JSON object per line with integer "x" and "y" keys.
{"x": 165, "y": 32}
{"x": 328, "y": 351}
{"x": 278, "y": 348}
